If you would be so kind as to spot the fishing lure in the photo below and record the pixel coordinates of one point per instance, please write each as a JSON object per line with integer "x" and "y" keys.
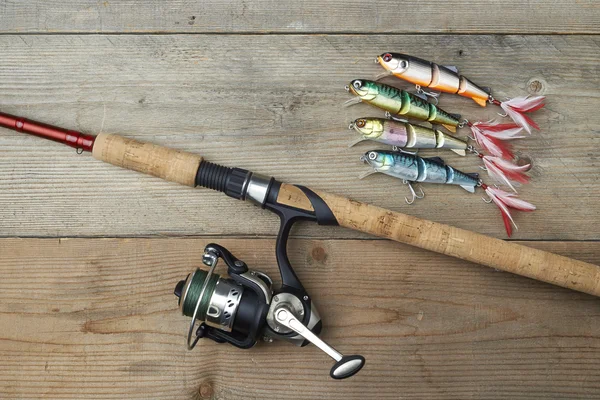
{"x": 447, "y": 79}
{"x": 400, "y": 102}
{"x": 403, "y": 135}
{"x": 411, "y": 168}
{"x": 488, "y": 135}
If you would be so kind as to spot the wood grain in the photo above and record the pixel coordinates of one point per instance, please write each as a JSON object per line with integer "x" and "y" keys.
{"x": 96, "y": 318}
{"x": 272, "y": 104}
{"x": 259, "y": 84}
{"x": 264, "y": 16}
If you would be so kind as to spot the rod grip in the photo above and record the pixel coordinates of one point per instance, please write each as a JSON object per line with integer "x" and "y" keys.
{"x": 466, "y": 245}
{"x": 470, "y": 246}
{"x": 171, "y": 165}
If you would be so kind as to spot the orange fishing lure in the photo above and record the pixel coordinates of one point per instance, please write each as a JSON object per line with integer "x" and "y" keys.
{"x": 424, "y": 73}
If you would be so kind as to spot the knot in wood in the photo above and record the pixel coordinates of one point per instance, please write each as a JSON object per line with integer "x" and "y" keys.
{"x": 205, "y": 391}
{"x": 319, "y": 254}
{"x": 536, "y": 86}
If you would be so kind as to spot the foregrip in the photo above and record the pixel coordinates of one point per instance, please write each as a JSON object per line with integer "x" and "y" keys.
{"x": 456, "y": 242}
{"x": 171, "y": 165}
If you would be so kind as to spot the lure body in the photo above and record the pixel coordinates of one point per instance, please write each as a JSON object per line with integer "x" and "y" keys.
{"x": 413, "y": 168}
{"x": 427, "y": 74}
{"x": 406, "y": 135}
{"x": 401, "y": 102}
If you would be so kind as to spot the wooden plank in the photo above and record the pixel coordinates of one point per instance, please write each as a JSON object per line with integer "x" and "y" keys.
{"x": 96, "y": 318}
{"x": 379, "y": 16}
{"x": 272, "y": 104}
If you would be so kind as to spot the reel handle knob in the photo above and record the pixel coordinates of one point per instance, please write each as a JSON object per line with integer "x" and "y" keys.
{"x": 344, "y": 367}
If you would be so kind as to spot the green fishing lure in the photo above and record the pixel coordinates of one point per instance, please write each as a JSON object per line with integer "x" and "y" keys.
{"x": 400, "y": 102}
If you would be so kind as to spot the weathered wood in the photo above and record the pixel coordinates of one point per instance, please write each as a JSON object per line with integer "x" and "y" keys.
{"x": 261, "y": 16}
{"x": 272, "y": 104}
{"x": 96, "y": 318}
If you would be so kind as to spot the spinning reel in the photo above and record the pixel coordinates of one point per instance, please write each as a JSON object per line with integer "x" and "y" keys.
{"x": 244, "y": 308}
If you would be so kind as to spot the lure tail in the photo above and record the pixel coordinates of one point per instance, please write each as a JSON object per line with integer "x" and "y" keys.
{"x": 491, "y": 135}
{"x": 518, "y": 108}
{"x": 505, "y": 201}
{"x": 504, "y": 171}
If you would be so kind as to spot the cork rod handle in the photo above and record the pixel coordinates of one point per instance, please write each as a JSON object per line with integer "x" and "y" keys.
{"x": 171, "y": 165}
{"x": 455, "y": 242}
{"x": 182, "y": 167}
{"x": 466, "y": 245}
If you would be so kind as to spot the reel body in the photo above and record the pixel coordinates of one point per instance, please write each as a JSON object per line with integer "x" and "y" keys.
{"x": 244, "y": 308}
{"x": 231, "y": 310}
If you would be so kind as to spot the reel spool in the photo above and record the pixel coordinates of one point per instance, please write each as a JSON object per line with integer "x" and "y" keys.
{"x": 244, "y": 307}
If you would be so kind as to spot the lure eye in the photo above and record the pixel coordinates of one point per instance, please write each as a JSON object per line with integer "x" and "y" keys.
{"x": 403, "y": 64}
{"x": 387, "y": 57}
{"x": 372, "y": 155}
{"x": 360, "y": 123}
{"x": 357, "y": 84}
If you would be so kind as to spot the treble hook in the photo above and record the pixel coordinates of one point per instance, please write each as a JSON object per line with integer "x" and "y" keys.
{"x": 493, "y": 101}
{"x": 389, "y": 115}
{"x": 401, "y": 150}
{"x": 472, "y": 149}
{"x": 489, "y": 199}
{"x": 434, "y": 95}
{"x": 413, "y": 193}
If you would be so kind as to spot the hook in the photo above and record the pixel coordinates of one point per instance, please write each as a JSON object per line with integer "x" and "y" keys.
{"x": 434, "y": 95}
{"x": 502, "y": 115}
{"x": 488, "y": 200}
{"x": 401, "y": 150}
{"x": 413, "y": 193}
{"x": 389, "y": 115}
{"x": 472, "y": 149}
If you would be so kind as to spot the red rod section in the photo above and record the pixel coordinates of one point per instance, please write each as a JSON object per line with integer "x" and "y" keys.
{"x": 74, "y": 139}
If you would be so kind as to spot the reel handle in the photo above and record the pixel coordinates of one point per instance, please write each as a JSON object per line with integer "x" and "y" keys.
{"x": 344, "y": 367}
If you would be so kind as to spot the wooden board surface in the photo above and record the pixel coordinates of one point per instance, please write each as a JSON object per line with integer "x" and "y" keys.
{"x": 263, "y": 16}
{"x": 96, "y": 318}
{"x": 273, "y": 104}
{"x": 259, "y": 84}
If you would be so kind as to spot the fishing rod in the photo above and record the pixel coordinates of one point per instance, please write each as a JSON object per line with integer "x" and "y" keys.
{"x": 287, "y": 313}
